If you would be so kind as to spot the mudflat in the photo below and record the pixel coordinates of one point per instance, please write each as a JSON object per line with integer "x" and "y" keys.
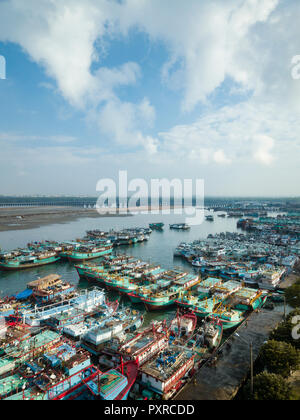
{"x": 19, "y": 218}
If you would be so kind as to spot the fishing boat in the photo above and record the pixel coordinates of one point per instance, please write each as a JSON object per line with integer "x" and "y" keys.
{"x": 166, "y": 373}
{"x": 182, "y": 327}
{"x": 206, "y": 340}
{"x": 210, "y": 293}
{"x": 26, "y": 348}
{"x": 86, "y": 300}
{"x": 49, "y": 288}
{"x": 67, "y": 248}
{"x": 6, "y": 309}
{"x": 228, "y": 317}
{"x": 145, "y": 345}
{"x": 271, "y": 278}
{"x": 89, "y": 252}
{"x": 249, "y": 299}
{"x": 57, "y": 375}
{"x": 92, "y": 273}
{"x": 141, "y": 293}
{"x": 156, "y": 226}
{"x": 115, "y": 384}
{"x": 10, "y": 385}
{"x": 123, "y": 285}
{"x": 30, "y": 261}
{"x": 180, "y": 226}
{"x": 169, "y": 291}
{"x": 106, "y": 329}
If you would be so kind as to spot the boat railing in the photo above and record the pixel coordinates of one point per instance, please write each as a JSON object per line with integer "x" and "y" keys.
{"x": 66, "y": 302}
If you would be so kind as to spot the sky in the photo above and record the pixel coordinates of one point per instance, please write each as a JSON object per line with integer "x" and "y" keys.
{"x": 206, "y": 89}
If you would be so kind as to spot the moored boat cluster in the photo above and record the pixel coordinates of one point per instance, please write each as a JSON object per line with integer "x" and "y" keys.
{"x": 257, "y": 260}
{"x": 96, "y": 244}
{"x": 88, "y": 347}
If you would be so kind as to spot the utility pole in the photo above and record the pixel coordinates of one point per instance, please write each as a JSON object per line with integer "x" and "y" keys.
{"x": 250, "y": 344}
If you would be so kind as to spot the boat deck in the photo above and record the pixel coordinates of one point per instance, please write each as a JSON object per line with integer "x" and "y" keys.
{"x": 167, "y": 364}
{"x": 27, "y": 395}
{"x": 11, "y": 384}
{"x": 108, "y": 385}
{"x": 33, "y": 343}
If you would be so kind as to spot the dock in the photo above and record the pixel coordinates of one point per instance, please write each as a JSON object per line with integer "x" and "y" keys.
{"x": 223, "y": 380}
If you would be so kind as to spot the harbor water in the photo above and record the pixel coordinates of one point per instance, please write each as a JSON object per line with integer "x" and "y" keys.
{"x": 158, "y": 250}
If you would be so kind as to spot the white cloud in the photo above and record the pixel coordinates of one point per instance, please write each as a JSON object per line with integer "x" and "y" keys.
{"x": 220, "y": 157}
{"x": 263, "y": 148}
{"x": 236, "y": 133}
{"x": 61, "y": 36}
{"x": 110, "y": 79}
{"x": 248, "y": 44}
{"x": 207, "y": 41}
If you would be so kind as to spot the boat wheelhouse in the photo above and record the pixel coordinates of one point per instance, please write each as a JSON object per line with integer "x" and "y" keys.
{"x": 48, "y": 288}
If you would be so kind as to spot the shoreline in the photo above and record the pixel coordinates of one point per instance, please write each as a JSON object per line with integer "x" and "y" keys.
{"x": 18, "y": 218}
{"x": 26, "y": 218}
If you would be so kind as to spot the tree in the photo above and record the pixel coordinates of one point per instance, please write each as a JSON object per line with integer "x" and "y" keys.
{"x": 284, "y": 332}
{"x": 280, "y": 358}
{"x": 293, "y": 295}
{"x": 291, "y": 315}
{"x": 268, "y": 387}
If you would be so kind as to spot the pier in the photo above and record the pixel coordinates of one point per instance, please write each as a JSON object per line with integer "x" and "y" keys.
{"x": 223, "y": 380}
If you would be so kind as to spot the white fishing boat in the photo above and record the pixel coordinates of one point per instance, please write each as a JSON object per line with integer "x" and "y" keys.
{"x": 86, "y": 300}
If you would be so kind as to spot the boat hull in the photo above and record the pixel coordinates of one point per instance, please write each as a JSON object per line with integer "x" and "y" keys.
{"x": 228, "y": 324}
{"x": 134, "y": 298}
{"x": 158, "y": 306}
{"x": 89, "y": 256}
{"x": 91, "y": 277}
{"x": 7, "y": 267}
{"x": 120, "y": 289}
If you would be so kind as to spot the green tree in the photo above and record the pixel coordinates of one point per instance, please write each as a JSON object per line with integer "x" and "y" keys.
{"x": 284, "y": 332}
{"x": 280, "y": 358}
{"x": 268, "y": 387}
{"x": 295, "y": 312}
{"x": 293, "y": 295}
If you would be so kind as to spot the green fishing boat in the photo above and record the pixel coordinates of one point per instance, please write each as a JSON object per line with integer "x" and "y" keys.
{"x": 167, "y": 296}
{"x": 86, "y": 252}
{"x": 24, "y": 262}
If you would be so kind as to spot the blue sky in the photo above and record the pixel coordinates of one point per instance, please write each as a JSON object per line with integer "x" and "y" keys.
{"x": 159, "y": 89}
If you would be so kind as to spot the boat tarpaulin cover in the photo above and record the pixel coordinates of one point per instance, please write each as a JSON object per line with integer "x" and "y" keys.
{"x": 24, "y": 295}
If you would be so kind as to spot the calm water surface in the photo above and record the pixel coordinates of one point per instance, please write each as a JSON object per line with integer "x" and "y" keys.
{"x": 159, "y": 249}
